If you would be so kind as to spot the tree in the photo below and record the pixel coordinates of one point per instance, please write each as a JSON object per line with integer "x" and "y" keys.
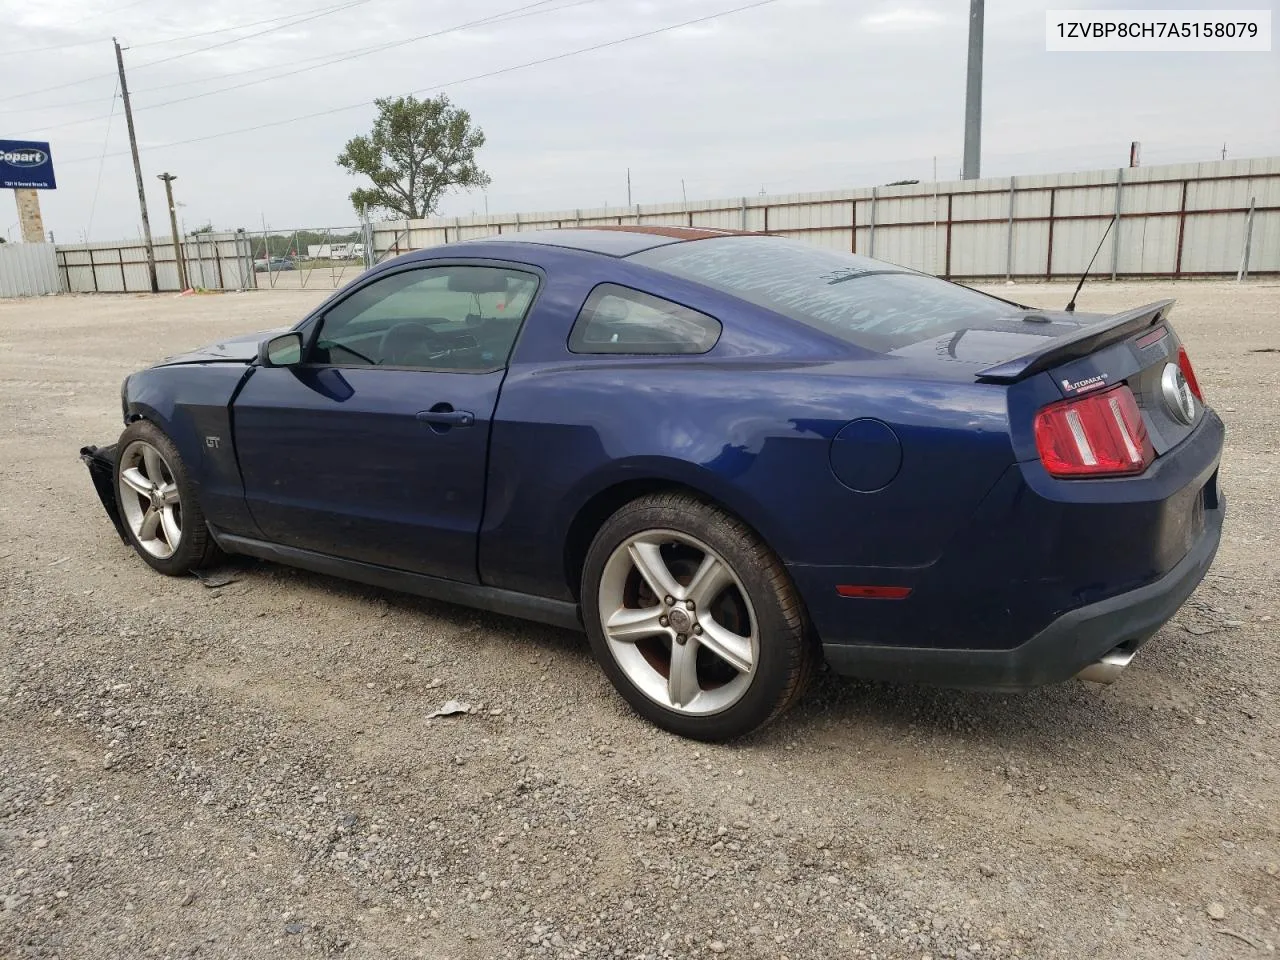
{"x": 417, "y": 151}
{"x": 205, "y": 228}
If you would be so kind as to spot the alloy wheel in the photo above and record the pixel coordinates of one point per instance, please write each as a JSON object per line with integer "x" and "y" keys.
{"x": 149, "y": 500}
{"x": 679, "y": 622}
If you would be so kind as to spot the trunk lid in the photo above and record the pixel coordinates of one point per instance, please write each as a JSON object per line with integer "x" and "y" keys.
{"x": 1008, "y": 348}
{"x": 1138, "y": 348}
{"x": 1058, "y": 349}
{"x": 1080, "y": 353}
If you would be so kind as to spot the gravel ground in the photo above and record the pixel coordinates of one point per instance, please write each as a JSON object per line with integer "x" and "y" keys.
{"x": 250, "y": 771}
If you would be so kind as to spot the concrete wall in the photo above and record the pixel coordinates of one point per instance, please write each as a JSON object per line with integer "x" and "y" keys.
{"x": 1181, "y": 220}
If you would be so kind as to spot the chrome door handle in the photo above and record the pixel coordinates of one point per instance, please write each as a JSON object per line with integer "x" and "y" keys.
{"x": 448, "y": 418}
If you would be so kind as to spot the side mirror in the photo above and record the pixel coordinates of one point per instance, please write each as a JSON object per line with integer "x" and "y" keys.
{"x": 282, "y": 351}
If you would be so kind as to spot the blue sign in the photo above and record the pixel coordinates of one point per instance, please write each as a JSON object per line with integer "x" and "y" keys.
{"x": 26, "y": 164}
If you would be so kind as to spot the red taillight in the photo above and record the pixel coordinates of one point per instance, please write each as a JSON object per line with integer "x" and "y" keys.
{"x": 1097, "y": 435}
{"x": 1184, "y": 364}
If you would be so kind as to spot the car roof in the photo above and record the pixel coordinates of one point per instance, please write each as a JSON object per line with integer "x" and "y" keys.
{"x": 615, "y": 241}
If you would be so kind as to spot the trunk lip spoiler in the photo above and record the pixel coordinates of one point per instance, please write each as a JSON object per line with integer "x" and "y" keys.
{"x": 1080, "y": 344}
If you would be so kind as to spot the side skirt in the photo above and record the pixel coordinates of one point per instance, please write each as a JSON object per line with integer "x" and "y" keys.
{"x": 558, "y": 613}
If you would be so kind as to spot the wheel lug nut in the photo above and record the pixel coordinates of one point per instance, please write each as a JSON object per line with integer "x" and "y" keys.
{"x": 681, "y": 638}
{"x": 697, "y": 628}
{"x": 670, "y": 601}
{"x": 662, "y": 621}
{"x": 688, "y": 604}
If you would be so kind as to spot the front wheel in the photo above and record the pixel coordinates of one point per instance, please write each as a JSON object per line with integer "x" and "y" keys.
{"x": 158, "y": 504}
{"x": 694, "y": 619}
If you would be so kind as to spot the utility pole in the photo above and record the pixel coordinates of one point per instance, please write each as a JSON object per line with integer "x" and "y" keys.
{"x": 628, "y": 186}
{"x": 137, "y": 169}
{"x": 168, "y": 179}
{"x": 973, "y": 95}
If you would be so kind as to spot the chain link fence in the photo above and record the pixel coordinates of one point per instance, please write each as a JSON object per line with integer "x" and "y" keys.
{"x": 308, "y": 258}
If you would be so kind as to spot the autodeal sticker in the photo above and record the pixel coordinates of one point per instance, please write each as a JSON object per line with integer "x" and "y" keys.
{"x": 1085, "y": 385}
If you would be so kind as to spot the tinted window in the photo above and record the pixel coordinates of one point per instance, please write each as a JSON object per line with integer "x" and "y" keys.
{"x": 434, "y": 318}
{"x": 620, "y": 320}
{"x": 867, "y": 302}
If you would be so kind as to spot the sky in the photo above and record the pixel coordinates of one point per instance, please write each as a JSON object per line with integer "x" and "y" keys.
{"x": 783, "y": 97}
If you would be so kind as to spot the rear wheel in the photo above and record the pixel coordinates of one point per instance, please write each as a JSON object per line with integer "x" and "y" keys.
{"x": 157, "y": 502}
{"x": 694, "y": 619}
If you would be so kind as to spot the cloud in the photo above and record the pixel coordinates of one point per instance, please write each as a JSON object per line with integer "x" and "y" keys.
{"x": 904, "y": 18}
{"x": 792, "y": 96}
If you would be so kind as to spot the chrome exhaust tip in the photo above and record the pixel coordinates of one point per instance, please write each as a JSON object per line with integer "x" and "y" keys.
{"x": 1108, "y": 668}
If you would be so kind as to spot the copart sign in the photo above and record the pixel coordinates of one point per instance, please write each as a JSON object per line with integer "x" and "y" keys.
{"x": 26, "y": 164}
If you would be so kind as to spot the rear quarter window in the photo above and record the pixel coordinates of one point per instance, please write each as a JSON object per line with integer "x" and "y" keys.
{"x": 617, "y": 319}
{"x": 867, "y": 302}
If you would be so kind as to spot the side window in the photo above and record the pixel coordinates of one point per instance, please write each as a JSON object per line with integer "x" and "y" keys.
{"x": 434, "y": 318}
{"x": 620, "y": 320}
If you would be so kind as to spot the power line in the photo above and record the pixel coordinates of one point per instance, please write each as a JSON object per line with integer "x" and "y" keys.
{"x": 58, "y": 106}
{"x": 176, "y": 83}
{"x": 102, "y": 162}
{"x": 282, "y": 26}
{"x": 506, "y": 16}
{"x": 241, "y": 26}
{"x": 480, "y": 76}
{"x": 56, "y": 46}
{"x": 192, "y": 53}
{"x": 328, "y": 57}
{"x": 154, "y": 43}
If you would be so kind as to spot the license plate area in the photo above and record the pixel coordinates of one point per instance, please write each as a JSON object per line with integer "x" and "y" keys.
{"x": 1196, "y": 527}
{"x": 1182, "y": 525}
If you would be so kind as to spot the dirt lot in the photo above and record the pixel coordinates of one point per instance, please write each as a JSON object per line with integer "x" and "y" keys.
{"x": 248, "y": 772}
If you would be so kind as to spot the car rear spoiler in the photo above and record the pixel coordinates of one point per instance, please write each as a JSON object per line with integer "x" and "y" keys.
{"x": 1080, "y": 344}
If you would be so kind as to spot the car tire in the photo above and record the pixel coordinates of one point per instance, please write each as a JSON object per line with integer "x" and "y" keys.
{"x": 733, "y": 651}
{"x": 158, "y": 506}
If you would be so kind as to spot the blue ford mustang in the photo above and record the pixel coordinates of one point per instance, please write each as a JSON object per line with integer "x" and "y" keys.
{"x": 725, "y": 456}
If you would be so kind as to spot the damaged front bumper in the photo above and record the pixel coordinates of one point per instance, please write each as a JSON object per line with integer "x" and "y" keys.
{"x": 101, "y": 462}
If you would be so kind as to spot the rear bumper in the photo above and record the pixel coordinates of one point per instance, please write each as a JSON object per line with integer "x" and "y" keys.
{"x": 1061, "y": 650}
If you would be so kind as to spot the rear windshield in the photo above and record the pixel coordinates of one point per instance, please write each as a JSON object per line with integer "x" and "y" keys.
{"x": 866, "y": 302}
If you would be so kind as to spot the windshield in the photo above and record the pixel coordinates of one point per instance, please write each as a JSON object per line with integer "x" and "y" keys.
{"x": 867, "y": 302}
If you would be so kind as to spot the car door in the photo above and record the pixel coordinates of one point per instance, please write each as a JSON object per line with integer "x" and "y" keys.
{"x": 374, "y": 446}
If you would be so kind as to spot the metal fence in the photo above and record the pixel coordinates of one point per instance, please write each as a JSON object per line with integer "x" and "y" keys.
{"x": 1213, "y": 219}
{"x": 28, "y": 270}
{"x": 308, "y": 258}
{"x": 212, "y": 261}
{"x": 1219, "y": 218}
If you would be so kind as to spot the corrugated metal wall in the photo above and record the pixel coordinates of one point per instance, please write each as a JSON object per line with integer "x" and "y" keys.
{"x": 214, "y": 261}
{"x": 1182, "y": 220}
{"x": 28, "y": 270}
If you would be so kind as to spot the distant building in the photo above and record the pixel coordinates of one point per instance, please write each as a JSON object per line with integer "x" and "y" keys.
{"x": 335, "y": 251}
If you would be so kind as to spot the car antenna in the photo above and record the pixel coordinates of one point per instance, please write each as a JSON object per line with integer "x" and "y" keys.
{"x": 1071, "y": 307}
